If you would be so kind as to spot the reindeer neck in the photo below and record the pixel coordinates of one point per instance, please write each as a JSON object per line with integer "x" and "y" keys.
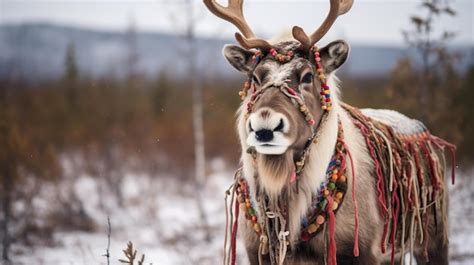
{"x": 298, "y": 197}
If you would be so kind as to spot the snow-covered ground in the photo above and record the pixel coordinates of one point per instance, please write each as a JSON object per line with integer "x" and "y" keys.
{"x": 160, "y": 217}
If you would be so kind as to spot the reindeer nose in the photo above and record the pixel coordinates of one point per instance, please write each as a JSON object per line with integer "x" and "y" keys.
{"x": 264, "y": 135}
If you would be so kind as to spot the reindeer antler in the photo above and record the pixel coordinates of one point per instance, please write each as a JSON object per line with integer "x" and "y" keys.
{"x": 338, "y": 7}
{"x": 234, "y": 14}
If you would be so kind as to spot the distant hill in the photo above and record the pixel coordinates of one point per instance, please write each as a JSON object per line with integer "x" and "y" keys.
{"x": 37, "y": 51}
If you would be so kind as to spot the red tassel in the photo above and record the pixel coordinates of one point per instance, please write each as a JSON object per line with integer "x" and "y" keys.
{"x": 356, "y": 208}
{"x": 233, "y": 243}
{"x": 332, "y": 229}
{"x": 395, "y": 211}
{"x": 452, "y": 148}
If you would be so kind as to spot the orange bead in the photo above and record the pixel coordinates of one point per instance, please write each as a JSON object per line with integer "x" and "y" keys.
{"x": 320, "y": 220}
{"x": 326, "y": 193}
{"x": 339, "y": 195}
{"x": 342, "y": 178}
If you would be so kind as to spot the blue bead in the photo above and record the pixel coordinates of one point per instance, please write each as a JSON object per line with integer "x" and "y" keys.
{"x": 327, "y": 95}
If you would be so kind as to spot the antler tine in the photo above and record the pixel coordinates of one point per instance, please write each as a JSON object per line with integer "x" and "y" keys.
{"x": 338, "y": 7}
{"x": 234, "y": 14}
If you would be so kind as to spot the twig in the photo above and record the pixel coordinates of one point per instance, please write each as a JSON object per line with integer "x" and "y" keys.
{"x": 107, "y": 250}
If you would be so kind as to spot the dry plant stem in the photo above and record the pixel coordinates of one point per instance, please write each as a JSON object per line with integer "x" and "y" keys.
{"x": 130, "y": 255}
{"x": 107, "y": 250}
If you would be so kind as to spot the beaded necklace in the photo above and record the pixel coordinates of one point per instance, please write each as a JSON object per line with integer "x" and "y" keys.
{"x": 333, "y": 188}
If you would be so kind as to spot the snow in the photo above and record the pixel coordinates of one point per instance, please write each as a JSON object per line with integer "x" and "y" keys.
{"x": 160, "y": 217}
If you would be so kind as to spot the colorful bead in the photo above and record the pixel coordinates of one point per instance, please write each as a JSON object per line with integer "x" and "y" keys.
{"x": 305, "y": 236}
{"x": 331, "y": 186}
{"x": 312, "y": 228}
{"x": 257, "y": 227}
{"x": 320, "y": 220}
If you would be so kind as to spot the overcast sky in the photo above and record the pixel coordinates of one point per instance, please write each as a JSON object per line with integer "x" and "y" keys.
{"x": 369, "y": 21}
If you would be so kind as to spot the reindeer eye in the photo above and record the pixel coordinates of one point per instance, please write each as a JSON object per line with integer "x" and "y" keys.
{"x": 307, "y": 78}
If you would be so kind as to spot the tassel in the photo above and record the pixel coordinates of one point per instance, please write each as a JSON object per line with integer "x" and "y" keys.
{"x": 233, "y": 243}
{"x": 452, "y": 148}
{"x": 396, "y": 207}
{"x": 356, "y": 208}
{"x": 332, "y": 229}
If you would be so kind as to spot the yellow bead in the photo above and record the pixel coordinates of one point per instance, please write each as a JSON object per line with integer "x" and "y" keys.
{"x": 326, "y": 192}
{"x": 312, "y": 228}
{"x": 339, "y": 195}
{"x": 257, "y": 227}
{"x": 335, "y": 205}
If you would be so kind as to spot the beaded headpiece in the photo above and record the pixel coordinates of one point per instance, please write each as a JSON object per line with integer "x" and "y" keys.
{"x": 325, "y": 94}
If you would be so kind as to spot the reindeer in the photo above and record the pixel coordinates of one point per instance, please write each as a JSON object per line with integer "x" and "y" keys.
{"x": 323, "y": 182}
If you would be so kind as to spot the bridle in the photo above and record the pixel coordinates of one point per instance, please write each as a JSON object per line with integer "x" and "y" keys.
{"x": 296, "y": 98}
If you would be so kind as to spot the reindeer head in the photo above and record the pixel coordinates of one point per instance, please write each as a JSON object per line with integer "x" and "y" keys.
{"x": 286, "y": 81}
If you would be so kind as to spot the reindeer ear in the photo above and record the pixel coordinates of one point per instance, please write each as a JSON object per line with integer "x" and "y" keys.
{"x": 238, "y": 57}
{"x": 334, "y": 55}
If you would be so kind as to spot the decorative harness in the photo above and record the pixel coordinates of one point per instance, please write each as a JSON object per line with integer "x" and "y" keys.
{"x": 273, "y": 229}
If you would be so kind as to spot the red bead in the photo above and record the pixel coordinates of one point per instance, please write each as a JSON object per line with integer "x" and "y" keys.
{"x": 291, "y": 91}
{"x": 305, "y": 236}
{"x": 328, "y": 100}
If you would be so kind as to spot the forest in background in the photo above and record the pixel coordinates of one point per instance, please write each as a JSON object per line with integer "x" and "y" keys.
{"x": 57, "y": 130}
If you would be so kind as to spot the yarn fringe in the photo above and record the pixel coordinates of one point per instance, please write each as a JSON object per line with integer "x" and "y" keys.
{"x": 410, "y": 180}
